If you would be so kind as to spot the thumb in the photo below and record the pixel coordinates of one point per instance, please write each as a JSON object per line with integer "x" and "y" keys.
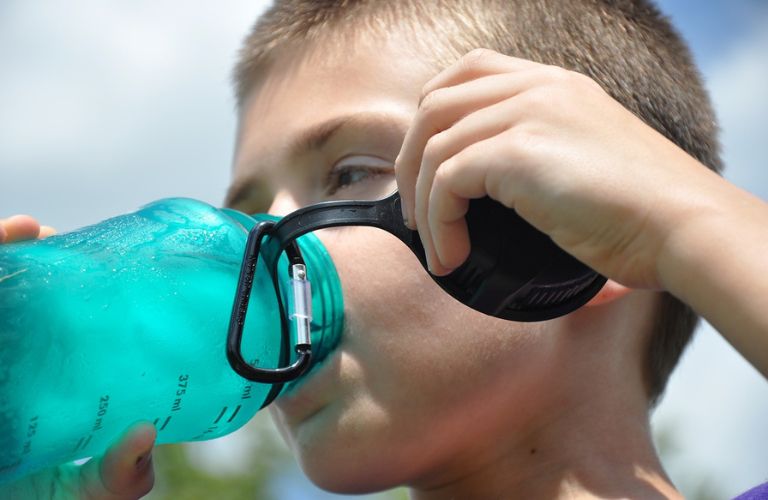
{"x": 125, "y": 471}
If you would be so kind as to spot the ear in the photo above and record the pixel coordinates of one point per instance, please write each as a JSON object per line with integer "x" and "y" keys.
{"x": 610, "y": 292}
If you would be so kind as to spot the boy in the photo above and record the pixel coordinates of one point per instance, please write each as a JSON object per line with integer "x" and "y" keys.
{"x": 336, "y": 99}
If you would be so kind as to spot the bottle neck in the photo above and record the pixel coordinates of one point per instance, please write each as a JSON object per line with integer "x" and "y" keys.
{"x": 327, "y": 299}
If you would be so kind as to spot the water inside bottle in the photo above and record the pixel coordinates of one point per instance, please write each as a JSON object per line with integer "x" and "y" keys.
{"x": 120, "y": 322}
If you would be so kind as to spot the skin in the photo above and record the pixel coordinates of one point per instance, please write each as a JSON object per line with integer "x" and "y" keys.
{"x": 630, "y": 204}
{"x": 425, "y": 392}
{"x": 422, "y": 390}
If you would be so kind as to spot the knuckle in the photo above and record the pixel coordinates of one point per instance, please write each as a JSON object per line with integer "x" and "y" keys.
{"x": 537, "y": 98}
{"x": 586, "y": 81}
{"x": 433, "y": 149}
{"x": 444, "y": 179}
{"x": 442, "y": 176}
{"x": 431, "y": 103}
{"x": 427, "y": 103}
{"x": 427, "y": 89}
{"x": 555, "y": 71}
{"x": 476, "y": 58}
{"x": 521, "y": 143}
{"x": 564, "y": 81}
{"x": 555, "y": 75}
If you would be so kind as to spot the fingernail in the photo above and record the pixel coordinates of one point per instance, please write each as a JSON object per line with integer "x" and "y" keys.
{"x": 408, "y": 223}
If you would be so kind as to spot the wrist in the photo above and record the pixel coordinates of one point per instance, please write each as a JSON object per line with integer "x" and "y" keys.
{"x": 715, "y": 235}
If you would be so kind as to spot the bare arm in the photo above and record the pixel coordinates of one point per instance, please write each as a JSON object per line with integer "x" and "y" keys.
{"x": 717, "y": 262}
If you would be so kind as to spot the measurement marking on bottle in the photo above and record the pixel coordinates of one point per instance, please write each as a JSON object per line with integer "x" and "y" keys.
{"x": 165, "y": 423}
{"x": 223, "y": 411}
{"x": 101, "y": 412}
{"x": 83, "y": 442}
{"x": 31, "y": 431}
{"x": 180, "y": 391}
{"x": 234, "y": 413}
{"x": 246, "y": 392}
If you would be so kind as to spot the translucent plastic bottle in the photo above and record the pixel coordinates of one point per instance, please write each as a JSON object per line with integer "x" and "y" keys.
{"x": 127, "y": 320}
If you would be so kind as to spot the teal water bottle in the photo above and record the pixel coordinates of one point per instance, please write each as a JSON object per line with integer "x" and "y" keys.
{"x": 127, "y": 320}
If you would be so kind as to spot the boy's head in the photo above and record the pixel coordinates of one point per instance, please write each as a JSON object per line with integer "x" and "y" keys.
{"x": 326, "y": 90}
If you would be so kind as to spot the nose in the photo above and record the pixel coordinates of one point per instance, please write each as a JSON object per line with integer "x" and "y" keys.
{"x": 283, "y": 204}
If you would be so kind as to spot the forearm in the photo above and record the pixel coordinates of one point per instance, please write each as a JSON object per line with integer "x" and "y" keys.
{"x": 715, "y": 258}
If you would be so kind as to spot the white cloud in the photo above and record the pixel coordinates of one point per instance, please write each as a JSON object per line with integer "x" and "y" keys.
{"x": 108, "y": 105}
{"x": 92, "y": 76}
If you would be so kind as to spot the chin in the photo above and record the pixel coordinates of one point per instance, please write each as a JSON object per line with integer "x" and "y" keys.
{"x": 343, "y": 458}
{"x": 340, "y": 476}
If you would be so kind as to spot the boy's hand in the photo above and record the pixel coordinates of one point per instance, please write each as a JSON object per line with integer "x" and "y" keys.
{"x": 22, "y": 227}
{"x": 123, "y": 473}
{"x": 554, "y": 146}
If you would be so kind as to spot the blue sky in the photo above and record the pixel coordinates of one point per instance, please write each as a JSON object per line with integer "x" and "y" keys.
{"x": 105, "y": 106}
{"x": 711, "y": 26}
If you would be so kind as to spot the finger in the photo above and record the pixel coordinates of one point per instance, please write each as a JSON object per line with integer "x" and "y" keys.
{"x": 472, "y": 173}
{"x": 447, "y": 225}
{"x": 458, "y": 180}
{"x": 475, "y": 64}
{"x": 46, "y": 231}
{"x": 479, "y": 126}
{"x": 439, "y": 111}
{"x": 125, "y": 471}
{"x": 20, "y": 227}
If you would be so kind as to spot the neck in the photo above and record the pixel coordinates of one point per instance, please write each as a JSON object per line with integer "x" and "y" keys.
{"x": 594, "y": 441}
{"x": 563, "y": 460}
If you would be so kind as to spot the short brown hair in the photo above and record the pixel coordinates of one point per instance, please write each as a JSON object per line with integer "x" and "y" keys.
{"x": 627, "y": 46}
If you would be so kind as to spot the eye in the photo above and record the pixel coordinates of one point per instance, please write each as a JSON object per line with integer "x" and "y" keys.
{"x": 359, "y": 176}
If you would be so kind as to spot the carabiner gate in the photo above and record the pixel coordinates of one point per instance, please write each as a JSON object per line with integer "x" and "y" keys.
{"x": 303, "y": 347}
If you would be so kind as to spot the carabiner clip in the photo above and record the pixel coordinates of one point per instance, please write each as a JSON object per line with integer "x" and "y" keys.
{"x": 240, "y": 308}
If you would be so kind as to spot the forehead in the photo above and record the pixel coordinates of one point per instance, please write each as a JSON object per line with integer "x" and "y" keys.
{"x": 306, "y": 87}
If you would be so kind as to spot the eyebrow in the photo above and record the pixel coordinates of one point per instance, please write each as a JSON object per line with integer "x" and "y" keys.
{"x": 318, "y": 136}
{"x": 311, "y": 139}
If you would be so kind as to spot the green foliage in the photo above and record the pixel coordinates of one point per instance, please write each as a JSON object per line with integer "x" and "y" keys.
{"x": 195, "y": 471}
{"x": 183, "y": 472}
{"x": 694, "y": 484}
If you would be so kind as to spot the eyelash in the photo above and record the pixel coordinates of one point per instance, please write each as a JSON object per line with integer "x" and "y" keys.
{"x": 334, "y": 176}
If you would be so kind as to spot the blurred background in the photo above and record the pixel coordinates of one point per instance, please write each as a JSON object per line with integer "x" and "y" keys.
{"x": 105, "y": 106}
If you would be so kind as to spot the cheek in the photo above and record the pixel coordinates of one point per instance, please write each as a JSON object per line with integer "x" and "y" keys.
{"x": 403, "y": 328}
{"x": 411, "y": 352}
{"x": 385, "y": 287}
